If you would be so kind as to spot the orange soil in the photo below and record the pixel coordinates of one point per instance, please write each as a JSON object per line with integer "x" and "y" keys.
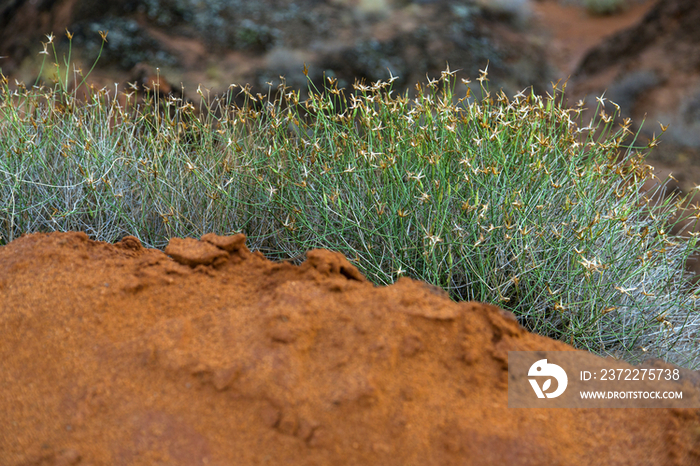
{"x": 570, "y": 31}
{"x": 213, "y": 355}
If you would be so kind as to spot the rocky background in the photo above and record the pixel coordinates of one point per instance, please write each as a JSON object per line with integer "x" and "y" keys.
{"x": 644, "y": 54}
{"x": 217, "y": 43}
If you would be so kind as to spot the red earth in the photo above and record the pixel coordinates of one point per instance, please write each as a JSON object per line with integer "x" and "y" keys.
{"x": 209, "y": 354}
{"x": 570, "y": 31}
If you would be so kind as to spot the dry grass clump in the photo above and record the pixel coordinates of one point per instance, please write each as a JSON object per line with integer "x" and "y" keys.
{"x": 510, "y": 201}
{"x": 605, "y": 7}
{"x": 602, "y": 7}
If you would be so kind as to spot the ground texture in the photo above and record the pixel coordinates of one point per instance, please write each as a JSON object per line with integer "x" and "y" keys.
{"x": 211, "y": 354}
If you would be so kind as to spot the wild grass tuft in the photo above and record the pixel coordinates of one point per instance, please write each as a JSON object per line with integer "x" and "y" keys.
{"x": 605, "y": 7}
{"x": 515, "y": 201}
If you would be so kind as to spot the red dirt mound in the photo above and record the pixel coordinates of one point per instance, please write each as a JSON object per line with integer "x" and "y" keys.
{"x": 209, "y": 354}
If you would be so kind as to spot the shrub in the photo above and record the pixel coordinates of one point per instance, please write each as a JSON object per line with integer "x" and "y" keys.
{"x": 511, "y": 201}
{"x": 604, "y": 7}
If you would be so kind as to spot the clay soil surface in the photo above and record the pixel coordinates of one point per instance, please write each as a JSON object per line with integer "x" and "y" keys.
{"x": 570, "y": 31}
{"x": 209, "y": 354}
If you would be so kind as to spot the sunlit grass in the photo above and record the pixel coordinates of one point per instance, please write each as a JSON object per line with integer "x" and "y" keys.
{"x": 512, "y": 201}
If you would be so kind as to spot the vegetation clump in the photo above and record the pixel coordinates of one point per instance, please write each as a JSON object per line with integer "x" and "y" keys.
{"x": 512, "y": 201}
{"x": 605, "y": 7}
